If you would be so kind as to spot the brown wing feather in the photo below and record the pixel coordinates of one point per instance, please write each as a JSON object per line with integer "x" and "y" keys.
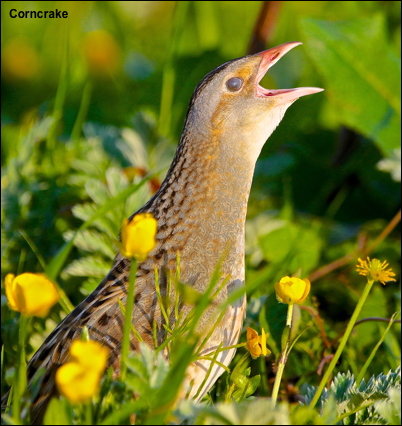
{"x": 101, "y": 313}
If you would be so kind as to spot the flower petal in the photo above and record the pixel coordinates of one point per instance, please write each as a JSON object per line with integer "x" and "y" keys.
{"x": 31, "y": 294}
{"x": 138, "y": 236}
{"x": 256, "y": 345}
{"x": 264, "y": 342}
{"x": 76, "y": 382}
{"x": 10, "y": 291}
{"x": 90, "y": 354}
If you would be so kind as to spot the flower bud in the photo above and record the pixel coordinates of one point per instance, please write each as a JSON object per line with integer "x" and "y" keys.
{"x": 257, "y": 345}
{"x": 292, "y": 290}
{"x": 79, "y": 379}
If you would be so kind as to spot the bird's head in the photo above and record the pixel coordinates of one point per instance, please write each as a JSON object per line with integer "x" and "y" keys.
{"x": 229, "y": 104}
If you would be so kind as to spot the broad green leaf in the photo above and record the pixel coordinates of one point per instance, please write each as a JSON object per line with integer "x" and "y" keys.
{"x": 390, "y": 409}
{"x": 59, "y": 412}
{"x": 277, "y": 244}
{"x": 299, "y": 246}
{"x": 361, "y": 75}
{"x": 305, "y": 415}
{"x": 249, "y": 387}
{"x": 274, "y": 314}
{"x": 255, "y": 412}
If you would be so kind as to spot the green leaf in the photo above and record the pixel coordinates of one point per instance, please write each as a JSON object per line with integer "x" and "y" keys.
{"x": 356, "y": 401}
{"x": 147, "y": 372}
{"x": 255, "y": 412}
{"x": 277, "y": 244}
{"x": 59, "y": 412}
{"x": 305, "y": 415}
{"x": 92, "y": 266}
{"x": 92, "y": 241}
{"x": 57, "y": 262}
{"x": 247, "y": 389}
{"x": 361, "y": 75}
{"x": 253, "y": 384}
{"x": 274, "y": 314}
{"x": 390, "y": 409}
{"x": 240, "y": 371}
{"x": 157, "y": 366}
{"x": 299, "y": 245}
{"x": 166, "y": 395}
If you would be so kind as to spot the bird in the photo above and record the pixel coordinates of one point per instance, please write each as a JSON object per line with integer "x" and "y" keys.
{"x": 200, "y": 209}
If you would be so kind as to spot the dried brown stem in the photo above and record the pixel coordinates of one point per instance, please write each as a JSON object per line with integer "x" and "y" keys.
{"x": 361, "y": 251}
{"x": 375, "y": 319}
{"x": 324, "y": 361}
{"x": 319, "y": 322}
{"x": 264, "y": 26}
{"x": 386, "y": 231}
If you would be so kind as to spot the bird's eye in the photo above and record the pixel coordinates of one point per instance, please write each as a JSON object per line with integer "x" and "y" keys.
{"x": 234, "y": 84}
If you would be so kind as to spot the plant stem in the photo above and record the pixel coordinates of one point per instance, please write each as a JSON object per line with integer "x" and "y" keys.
{"x": 64, "y": 301}
{"x": 284, "y": 355}
{"x": 20, "y": 382}
{"x": 128, "y": 320}
{"x": 211, "y": 366}
{"x": 374, "y": 351}
{"x": 275, "y": 391}
{"x": 60, "y": 98}
{"x": 290, "y": 315}
{"x": 169, "y": 75}
{"x": 342, "y": 344}
{"x": 82, "y": 113}
{"x": 264, "y": 377}
{"x": 88, "y": 413}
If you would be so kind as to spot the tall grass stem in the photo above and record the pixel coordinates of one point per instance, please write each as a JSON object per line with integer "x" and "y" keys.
{"x": 284, "y": 355}
{"x": 374, "y": 351}
{"x": 169, "y": 74}
{"x": 83, "y": 111}
{"x": 342, "y": 344}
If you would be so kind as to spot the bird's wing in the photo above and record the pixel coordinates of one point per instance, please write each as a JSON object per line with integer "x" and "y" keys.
{"x": 100, "y": 312}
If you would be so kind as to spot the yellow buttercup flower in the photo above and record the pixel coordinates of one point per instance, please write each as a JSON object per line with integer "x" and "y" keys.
{"x": 375, "y": 270}
{"x": 257, "y": 345}
{"x": 20, "y": 60}
{"x": 31, "y": 294}
{"x": 76, "y": 382}
{"x": 102, "y": 53}
{"x": 90, "y": 354}
{"x": 292, "y": 290}
{"x": 138, "y": 236}
{"x": 79, "y": 379}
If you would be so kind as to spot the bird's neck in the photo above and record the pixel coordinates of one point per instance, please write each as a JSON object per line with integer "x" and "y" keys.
{"x": 202, "y": 204}
{"x": 207, "y": 182}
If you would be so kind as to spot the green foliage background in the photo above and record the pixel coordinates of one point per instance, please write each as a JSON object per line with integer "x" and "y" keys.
{"x": 87, "y": 113}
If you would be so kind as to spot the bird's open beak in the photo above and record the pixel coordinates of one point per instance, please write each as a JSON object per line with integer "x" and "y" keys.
{"x": 269, "y": 58}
